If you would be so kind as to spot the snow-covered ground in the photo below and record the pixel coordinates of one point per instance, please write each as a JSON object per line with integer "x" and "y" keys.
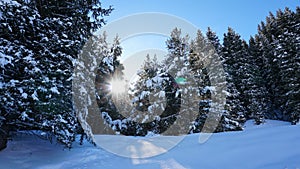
{"x": 274, "y": 145}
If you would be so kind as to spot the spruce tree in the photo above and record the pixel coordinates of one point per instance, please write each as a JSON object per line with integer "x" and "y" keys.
{"x": 234, "y": 54}
{"x": 214, "y": 40}
{"x": 109, "y": 70}
{"x": 235, "y": 57}
{"x": 279, "y": 38}
{"x": 256, "y": 91}
{"x": 39, "y": 42}
{"x": 287, "y": 53}
{"x": 199, "y": 59}
{"x": 178, "y": 63}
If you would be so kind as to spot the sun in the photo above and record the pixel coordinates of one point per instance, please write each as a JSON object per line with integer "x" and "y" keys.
{"x": 117, "y": 86}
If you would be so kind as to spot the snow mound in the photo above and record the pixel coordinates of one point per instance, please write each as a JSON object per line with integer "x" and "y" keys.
{"x": 274, "y": 145}
{"x": 250, "y": 124}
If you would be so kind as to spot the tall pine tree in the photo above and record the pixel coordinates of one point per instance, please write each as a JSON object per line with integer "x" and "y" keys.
{"x": 39, "y": 42}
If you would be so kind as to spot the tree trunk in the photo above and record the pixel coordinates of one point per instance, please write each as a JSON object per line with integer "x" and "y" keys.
{"x": 4, "y": 130}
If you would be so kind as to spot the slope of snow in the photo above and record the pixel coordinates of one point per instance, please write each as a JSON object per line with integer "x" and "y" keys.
{"x": 250, "y": 124}
{"x": 274, "y": 145}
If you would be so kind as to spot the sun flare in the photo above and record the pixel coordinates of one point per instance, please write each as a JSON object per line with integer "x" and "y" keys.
{"x": 117, "y": 86}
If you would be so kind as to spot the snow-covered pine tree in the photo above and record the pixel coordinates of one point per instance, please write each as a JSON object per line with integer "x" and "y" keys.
{"x": 269, "y": 71}
{"x": 233, "y": 113}
{"x": 256, "y": 90}
{"x": 293, "y": 94}
{"x": 178, "y": 64}
{"x": 178, "y": 52}
{"x": 236, "y": 62}
{"x": 288, "y": 54}
{"x": 144, "y": 83}
{"x": 228, "y": 122}
{"x": 267, "y": 32}
{"x": 213, "y": 39}
{"x": 39, "y": 41}
{"x": 109, "y": 70}
{"x": 152, "y": 98}
{"x": 199, "y": 59}
{"x": 279, "y": 36}
{"x": 84, "y": 84}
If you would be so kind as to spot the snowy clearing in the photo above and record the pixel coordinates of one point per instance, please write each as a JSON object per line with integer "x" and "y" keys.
{"x": 274, "y": 145}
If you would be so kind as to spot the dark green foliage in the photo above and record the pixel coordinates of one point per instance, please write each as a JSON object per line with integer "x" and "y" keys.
{"x": 39, "y": 42}
{"x": 234, "y": 58}
{"x": 256, "y": 91}
{"x": 279, "y": 41}
{"x": 264, "y": 75}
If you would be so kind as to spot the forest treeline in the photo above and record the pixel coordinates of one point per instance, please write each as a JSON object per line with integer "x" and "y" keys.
{"x": 40, "y": 41}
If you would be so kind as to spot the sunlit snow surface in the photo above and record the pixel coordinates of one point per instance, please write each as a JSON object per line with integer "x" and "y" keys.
{"x": 274, "y": 145}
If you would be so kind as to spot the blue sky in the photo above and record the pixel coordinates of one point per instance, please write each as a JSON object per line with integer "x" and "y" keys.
{"x": 242, "y": 15}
